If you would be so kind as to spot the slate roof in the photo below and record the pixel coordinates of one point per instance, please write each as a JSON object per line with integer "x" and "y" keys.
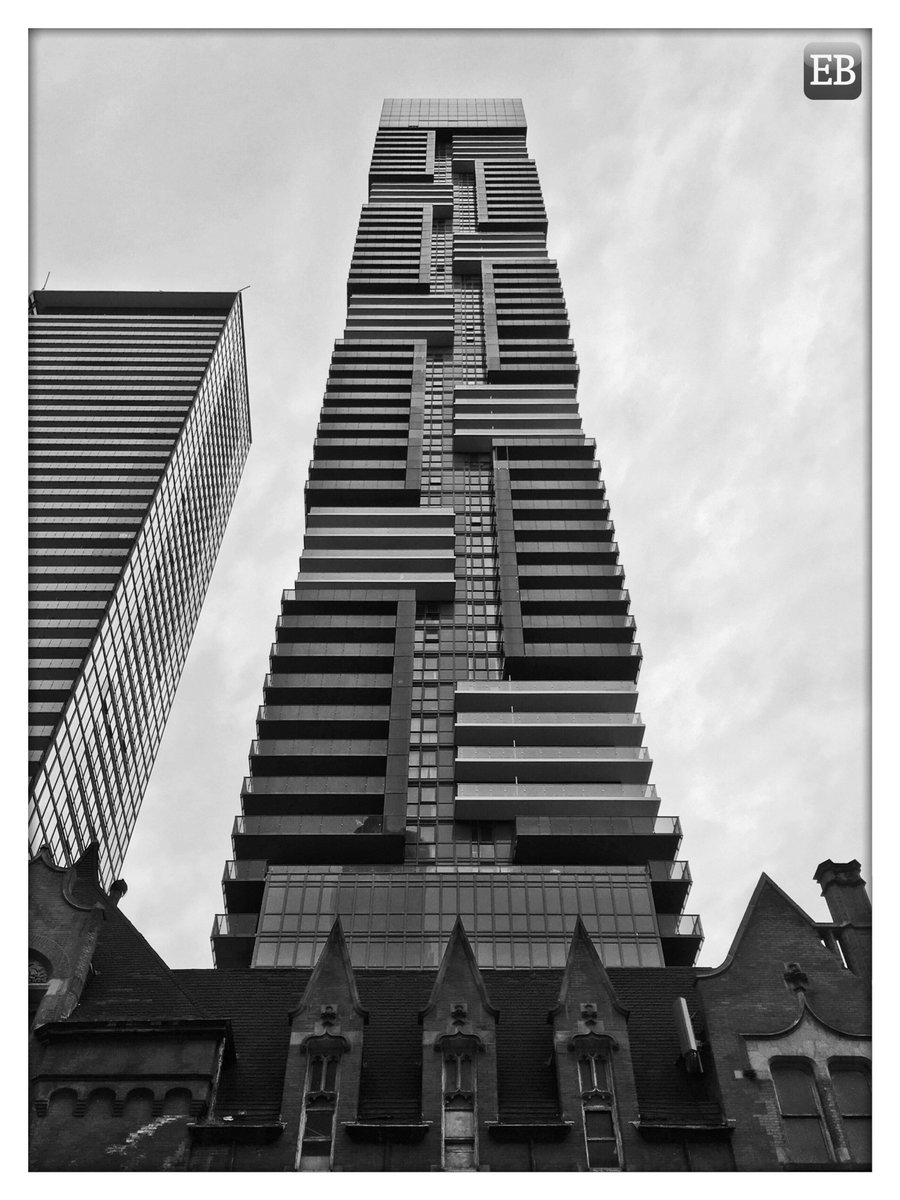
{"x": 257, "y": 1003}
{"x": 131, "y": 982}
{"x": 666, "y": 1093}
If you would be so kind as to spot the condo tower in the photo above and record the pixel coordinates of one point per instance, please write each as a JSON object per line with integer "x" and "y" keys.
{"x": 449, "y": 724}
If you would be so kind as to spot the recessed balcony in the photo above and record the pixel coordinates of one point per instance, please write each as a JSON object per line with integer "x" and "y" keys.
{"x": 578, "y": 627}
{"x": 349, "y": 560}
{"x": 300, "y": 657}
{"x": 583, "y": 660}
{"x": 312, "y": 838}
{"x": 561, "y": 602}
{"x": 508, "y": 801}
{"x": 546, "y": 764}
{"x": 327, "y": 687}
{"x": 614, "y": 696}
{"x": 548, "y": 728}
{"x": 269, "y": 795}
{"x": 317, "y": 756}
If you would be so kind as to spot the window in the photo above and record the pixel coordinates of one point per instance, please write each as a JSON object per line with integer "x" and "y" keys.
{"x": 801, "y": 1113}
{"x": 459, "y": 1052}
{"x": 852, "y": 1086}
{"x": 600, "y": 1133}
{"x": 320, "y": 1102}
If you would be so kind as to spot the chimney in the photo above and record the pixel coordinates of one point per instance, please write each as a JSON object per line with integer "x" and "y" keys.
{"x": 845, "y": 894}
{"x": 116, "y": 891}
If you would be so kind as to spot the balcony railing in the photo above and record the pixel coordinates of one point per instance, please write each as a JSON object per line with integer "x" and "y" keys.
{"x": 685, "y": 925}
{"x": 664, "y": 872}
{"x": 245, "y": 870}
{"x": 655, "y": 826}
{"x": 234, "y": 925}
{"x": 311, "y": 824}
{"x": 523, "y": 754}
{"x": 586, "y": 791}
{"x": 529, "y": 720}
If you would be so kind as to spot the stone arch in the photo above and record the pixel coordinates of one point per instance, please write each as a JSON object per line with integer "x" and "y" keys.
{"x": 100, "y": 1104}
{"x": 40, "y": 969}
{"x": 138, "y": 1107}
{"x": 62, "y": 1103}
{"x": 53, "y": 955}
{"x": 177, "y": 1102}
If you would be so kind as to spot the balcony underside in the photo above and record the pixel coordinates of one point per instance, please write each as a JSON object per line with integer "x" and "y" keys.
{"x": 592, "y": 842}
{"x": 321, "y": 848}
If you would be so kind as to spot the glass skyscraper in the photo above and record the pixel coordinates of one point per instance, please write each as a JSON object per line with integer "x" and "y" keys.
{"x": 449, "y": 722}
{"x": 139, "y": 429}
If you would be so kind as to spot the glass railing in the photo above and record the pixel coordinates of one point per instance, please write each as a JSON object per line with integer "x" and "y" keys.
{"x": 579, "y": 687}
{"x": 529, "y": 719}
{"x": 315, "y": 748}
{"x": 553, "y": 753}
{"x": 568, "y": 791}
{"x": 686, "y": 925}
{"x": 308, "y": 824}
{"x": 677, "y": 871}
{"x": 598, "y": 826}
{"x": 234, "y": 925}
{"x": 245, "y": 870}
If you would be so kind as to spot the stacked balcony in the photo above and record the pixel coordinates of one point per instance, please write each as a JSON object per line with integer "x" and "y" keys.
{"x": 526, "y": 325}
{"x": 509, "y": 195}
{"x": 381, "y": 547}
{"x": 405, "y": 155}
{"x": 368, "y": 444}
{"x": 398, "y": 316}
{"x": 320, "y": 768}
{"x": 549, "y": 767}
{"x": 469, "y": 146}
{"x": 487, "y": 412}
{"x": 392, "y": 252}
{"x": 564, "y": 760}
{"x": 471, "y": 249}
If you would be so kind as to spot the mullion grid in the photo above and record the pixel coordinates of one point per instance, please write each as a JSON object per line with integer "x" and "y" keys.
{"x": 401, "y": 917}
{"x": 145, "y": 614}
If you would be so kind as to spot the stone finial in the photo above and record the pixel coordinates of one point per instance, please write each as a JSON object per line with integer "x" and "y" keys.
{"x": 796, "y": 977}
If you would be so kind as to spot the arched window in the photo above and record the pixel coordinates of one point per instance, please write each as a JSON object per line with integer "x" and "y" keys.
{"x": 138, "y": 1109}
{"x": 852, "y": 1085}
{"x": 177, "y": 1103}
{"x": 320, "y": 1099}
{"x": 593, "y": 1051}
{"x": 99, "y": 1105}
{"x": 459, "y": 1075}
{"x": 62, "y": 1104}
{"x": 801, "y": 1112}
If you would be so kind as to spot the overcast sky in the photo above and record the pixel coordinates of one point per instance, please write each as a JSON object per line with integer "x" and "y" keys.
{"x": 711, "y": 229}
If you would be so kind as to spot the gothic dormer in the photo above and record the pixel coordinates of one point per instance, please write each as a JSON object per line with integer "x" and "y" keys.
{"x": 459, "y": 1055}
{"x": 321, "y": 1085}
{"x": 593, "y": 1059}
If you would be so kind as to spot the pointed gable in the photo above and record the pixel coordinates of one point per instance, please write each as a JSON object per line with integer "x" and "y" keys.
{"x": 332, "y": 983}
{"x": 585, "y": 980}
{"x": 130, "y": 981}
{"x": 770, "y": 908}
{"x": 458, "y": 970}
